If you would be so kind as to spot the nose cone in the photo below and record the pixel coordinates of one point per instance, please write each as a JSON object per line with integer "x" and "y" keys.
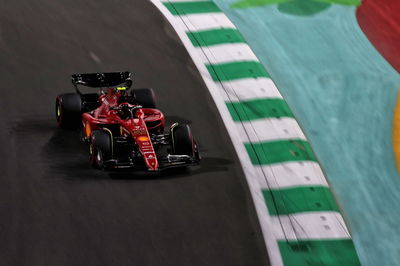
{"x": 143, "y": 140}
{"x": 151, "y": 161}
{"x": 147, "y": 149}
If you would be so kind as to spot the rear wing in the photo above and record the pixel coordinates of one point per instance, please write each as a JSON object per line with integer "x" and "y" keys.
{"x": 97, "y": 80}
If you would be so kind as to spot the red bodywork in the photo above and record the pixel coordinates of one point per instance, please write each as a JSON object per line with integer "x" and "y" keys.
{"x": 145, "y": 121}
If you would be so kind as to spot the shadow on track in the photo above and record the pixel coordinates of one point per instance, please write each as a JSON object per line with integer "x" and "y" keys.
{"x": 207, "y": 165}
{"x": 67, "y": 155}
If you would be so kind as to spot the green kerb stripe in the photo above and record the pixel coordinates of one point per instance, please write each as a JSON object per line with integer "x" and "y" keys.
{"x": 259, "y": 108}
{"x": 332, "y": 252}
{"x": 213, "y": 37}
{"x": 279, "y": 151}
{"x": 183, "y": 8}
{"x": 236, "y": 70}
{"x": 299, "y": 199}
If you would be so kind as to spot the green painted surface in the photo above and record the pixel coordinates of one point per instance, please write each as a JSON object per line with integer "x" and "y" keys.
{"x": 334, "y": 252}
{"x": 213, "y": 37}
{"x": 279, "y": 151}
{"x": 236, "y": 70}
{"x": 182, "y": 8}
{"x": 299, "y": 199}
{"x": 259, "y": 108}
{"x": 303, "y": 7}
{"x": 343, "y": 2}
{"x": 343, "y": 93}
{"x": 296, "y": 7}
{"x": 255, "y": 3}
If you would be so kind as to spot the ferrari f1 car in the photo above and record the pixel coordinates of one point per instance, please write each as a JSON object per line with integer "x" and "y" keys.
{"x": 122, "y": 126}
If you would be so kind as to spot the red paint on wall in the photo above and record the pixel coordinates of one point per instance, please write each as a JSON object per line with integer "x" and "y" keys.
{"x": 380, "y": 21}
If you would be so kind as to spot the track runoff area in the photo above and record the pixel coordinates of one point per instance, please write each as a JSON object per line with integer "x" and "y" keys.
{"x": 299, "y": 217}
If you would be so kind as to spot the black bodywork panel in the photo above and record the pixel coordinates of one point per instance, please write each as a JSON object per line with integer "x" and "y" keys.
{"x": 98, "y": 80}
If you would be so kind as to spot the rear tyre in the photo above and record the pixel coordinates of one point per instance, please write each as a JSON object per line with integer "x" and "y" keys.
{"x": 145, "y": 97}
{"x": 68, "y": 110}
{"x": 182, "y": 142}
{"x": 100, "y": 149}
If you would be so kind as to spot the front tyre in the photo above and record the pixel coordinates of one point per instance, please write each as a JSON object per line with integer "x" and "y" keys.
{"x": 96, "y": 157}
{"x": 182, "y": 142}
{"x": 68, "y": 110}
{"x": 100, "y": 149}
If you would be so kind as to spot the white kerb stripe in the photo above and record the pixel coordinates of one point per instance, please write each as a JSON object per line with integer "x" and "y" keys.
{"x": 311, "y": 225}
{"x": 290, "y": 174}
{"x": 248, "y": 89}
{"x": 208, "y": 21}
{"x": 269, "y": 129}
{"x": 224, "y": 53}
{"x": 173, "y": 1}
{"x": 265, "y": 219}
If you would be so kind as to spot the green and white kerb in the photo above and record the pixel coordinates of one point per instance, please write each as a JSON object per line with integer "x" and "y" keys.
{"x": 299, "y": 217}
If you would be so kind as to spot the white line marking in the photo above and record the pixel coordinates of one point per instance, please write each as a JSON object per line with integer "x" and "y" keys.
{"x": 169, "y": 1}
{"x": 248, "y": 89}
{"x": 269, "y": 129}
{"x": 291, "y": 174}
{"x": 298, "y": 226}
{"x": 224, "y": 53}
{"x": 94, "y": 57}
{"x": 248, "y": 168}
{"x": 311, "y": 225}
{"x": 209, "y": 21}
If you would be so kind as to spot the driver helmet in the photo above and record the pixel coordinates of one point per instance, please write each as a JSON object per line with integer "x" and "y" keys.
{"x": 121, "y": 90}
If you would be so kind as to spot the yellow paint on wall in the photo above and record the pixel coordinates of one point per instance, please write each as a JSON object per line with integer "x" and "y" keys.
{"x": 396, "y": 133}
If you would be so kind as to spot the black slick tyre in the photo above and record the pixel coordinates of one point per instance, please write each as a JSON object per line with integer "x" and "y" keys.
{"x": 182, "y": 142}
{"x": 145, "y": 97}
{"x": 100, "y": 149}
{"x": 68, "y": 110}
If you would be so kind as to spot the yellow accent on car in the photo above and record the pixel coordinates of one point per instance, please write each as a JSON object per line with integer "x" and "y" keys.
{"x": 121, "y": 88}
{"x": 142, "y": 138}
{"x": 396, "y": 133}
{"x": 139, "y": 132}
{"x": 88, "y": 129}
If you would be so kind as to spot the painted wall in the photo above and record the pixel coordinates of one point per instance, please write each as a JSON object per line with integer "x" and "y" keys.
{"x": 343, "y": 93}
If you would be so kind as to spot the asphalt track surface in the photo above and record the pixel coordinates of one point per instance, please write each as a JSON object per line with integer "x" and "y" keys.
{"x": 54, "y": 208}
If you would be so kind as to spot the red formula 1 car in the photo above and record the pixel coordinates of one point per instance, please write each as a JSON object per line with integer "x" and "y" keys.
{"x": 122, "y": 126}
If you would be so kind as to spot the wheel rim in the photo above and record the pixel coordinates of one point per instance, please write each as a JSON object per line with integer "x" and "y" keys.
{"x": 90, "y": 151}
{"x": 98, "y": 157}
{"x": 58, "y": 112}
